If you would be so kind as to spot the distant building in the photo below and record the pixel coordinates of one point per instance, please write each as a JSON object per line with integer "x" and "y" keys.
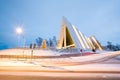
{"x": 71, "y": 37}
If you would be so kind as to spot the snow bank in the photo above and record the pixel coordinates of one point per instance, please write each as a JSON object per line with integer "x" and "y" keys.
{"x": 28, "y": 52}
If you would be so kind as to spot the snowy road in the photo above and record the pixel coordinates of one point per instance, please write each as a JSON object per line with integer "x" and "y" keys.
{"x": 104, "y": 66}
{"x": 57, "y": 76}
{"x": 107, "y": 70}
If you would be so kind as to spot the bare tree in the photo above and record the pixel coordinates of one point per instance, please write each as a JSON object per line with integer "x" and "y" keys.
{"x": 54, "y": 41}
{"x": 39, "y": 41}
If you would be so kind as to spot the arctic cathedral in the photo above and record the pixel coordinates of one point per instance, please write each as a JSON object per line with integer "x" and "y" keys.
{"x": 71, "y": 37}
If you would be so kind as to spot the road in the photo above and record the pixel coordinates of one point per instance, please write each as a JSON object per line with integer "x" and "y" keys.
{"x": 104, "y": 67}
{"x": 99, "y": 71}
{"x": 57, "y": 76}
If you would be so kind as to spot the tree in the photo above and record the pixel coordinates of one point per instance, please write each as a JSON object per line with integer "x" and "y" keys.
{"x": 109, "y": 45}
{"x": 50, "y": 42}
{"x": 118, "y": 46}
{"x": 39, "y": 41}
{"x": 47, "y": 42}
{"x": 54, "y": 41}
{"x": 112, "y": 47}
{"x": 43, "y": 45}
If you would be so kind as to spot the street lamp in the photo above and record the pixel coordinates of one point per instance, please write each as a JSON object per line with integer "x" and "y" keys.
{"x": 19, "y": 31}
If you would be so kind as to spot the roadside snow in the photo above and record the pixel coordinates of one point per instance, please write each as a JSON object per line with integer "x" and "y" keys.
{"x": 28, "y": 52}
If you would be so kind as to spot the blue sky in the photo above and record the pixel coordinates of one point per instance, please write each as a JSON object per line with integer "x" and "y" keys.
{"x": 43, "y": 18}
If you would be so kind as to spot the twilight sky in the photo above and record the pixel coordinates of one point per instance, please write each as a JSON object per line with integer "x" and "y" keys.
{"x": 43, "y": 18}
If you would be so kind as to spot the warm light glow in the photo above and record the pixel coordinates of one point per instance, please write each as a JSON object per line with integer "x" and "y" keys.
{"x": 19, "y": 30}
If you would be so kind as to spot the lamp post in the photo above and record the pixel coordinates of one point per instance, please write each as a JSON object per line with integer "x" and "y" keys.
{"x": 19, "y": 31}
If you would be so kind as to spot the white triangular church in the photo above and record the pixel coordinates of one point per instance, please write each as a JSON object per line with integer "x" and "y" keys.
{"x": 71, "y": 37}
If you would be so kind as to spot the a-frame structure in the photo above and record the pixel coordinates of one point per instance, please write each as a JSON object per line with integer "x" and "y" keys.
{"x": 70, "y": 36}
{"x": 65, "y": 38}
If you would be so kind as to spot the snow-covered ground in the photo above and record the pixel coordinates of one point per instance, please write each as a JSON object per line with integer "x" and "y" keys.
{"x": 93, "y": 57}
{"x": 48, "y": 66}
{"x": 35, "y": 52}
{"x": 103, "y": 66}
{"x": 108, "y": 61}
